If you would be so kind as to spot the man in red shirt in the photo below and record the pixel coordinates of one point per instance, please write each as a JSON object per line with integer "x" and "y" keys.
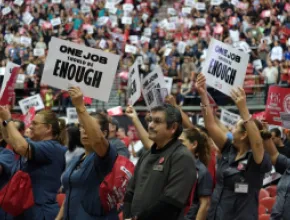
{"x": 122, "y": 136}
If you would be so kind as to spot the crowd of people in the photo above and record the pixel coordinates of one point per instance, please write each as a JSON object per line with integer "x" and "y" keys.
{"x": 177, "y": 42}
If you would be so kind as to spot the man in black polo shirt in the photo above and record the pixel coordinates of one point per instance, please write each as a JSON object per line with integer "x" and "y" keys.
{"x": 164, "y": 176}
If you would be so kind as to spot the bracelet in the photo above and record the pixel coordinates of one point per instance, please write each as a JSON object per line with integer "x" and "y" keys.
{"x": 249, "y": 119}
{"x": 81, "y": 110}
{"x": 203, "y": 106}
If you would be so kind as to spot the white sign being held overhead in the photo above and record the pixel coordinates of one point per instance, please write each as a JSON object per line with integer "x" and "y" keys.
{"x": 228, "y": 118}
{"x": 69, "y": 63}
{"x": 32, "y": 101}
{"x": 134, "y": 84}
{"x": 224, "y": 67}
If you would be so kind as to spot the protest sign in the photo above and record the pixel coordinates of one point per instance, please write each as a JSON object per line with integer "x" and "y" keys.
{"x": 171, "y": 11}
{"x": 149, "y": 84}
{"x": 18, "y": 2}
{"x": 224, "y": 67}
{"x": 30, "y": 69}
{"x": 85, "y": 9}
{"x": 200, "y": 6}
{"x": 32, "y": 101}
{"x": 90, "y": 2}
{"x": 55, "y": 1}
{"x": 147, "y": 32}
{"x": 145, "y": 39}
{"x": 145, "y": 17}
{"x": 6, "y": 11}
{"x": 115, "y": 111}
{"x": 8, "y": 71}
{"x": 168, "y": 83}
{"x": 27, "y": 119}
{"x": 38, "y": 52}
{"x": 189, "y": 3}
{"x": 2, "y": 71}
{"x": 285, "y": 119}
{"x": 186, "y": 10}
{"x": 126, "y": 20}
{"x": 8, "y": 93}
{"x": 259, "y": 116}
{"x": 26, "y": 41}
{"x": 55, "y": 21}
{"x": 271, "y": 176}
{"x": 90, "y": 69}
{"x": 72, "y": 115}
{"x": 27, "y": 18}
{"x": 228, "y": 118}
{"x": 278, "y": 101}
{"x": 128, "y": 7}
{"x": 130, "y": 49}
{"x": 134, "y": 84}
{"x": 257, "y": 64}
{"x": 216, "y": 2}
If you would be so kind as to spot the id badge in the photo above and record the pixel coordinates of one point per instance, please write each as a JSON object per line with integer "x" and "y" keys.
{"x": 241, "y": 187}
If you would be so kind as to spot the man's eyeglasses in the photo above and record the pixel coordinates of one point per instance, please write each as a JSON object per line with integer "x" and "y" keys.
{"x": 34, "y": 123}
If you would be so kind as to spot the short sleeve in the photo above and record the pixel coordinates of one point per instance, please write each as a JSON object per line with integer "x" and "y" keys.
{"x": 205, "y": 184}
{"x": 105, "y": 164}
{"x": 41, "y": 151}
{"x": 264, "y": 167}
{"x": 282, "y": 164}
{"x": 7, "y": 160}
{"x": 182, "y": 176}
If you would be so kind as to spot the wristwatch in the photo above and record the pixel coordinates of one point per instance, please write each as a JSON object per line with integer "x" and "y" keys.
{"x": 5, "y": 123}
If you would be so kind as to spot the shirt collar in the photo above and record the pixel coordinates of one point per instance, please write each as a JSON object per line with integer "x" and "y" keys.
{"x": 154, "y": 149}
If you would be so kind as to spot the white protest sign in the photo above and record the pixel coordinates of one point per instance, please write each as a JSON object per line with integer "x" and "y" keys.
{"x": 20, "y": 78}
{"x": 181, "y": 47}
{"x": 167, "y": 51}
{"x": 168, "y": 83}
{"x": 38, "y": 52}
{"x": 27, "y": 18}
{"x": 103, "y": 43}
{"x": 216, "y": 2}
{"x": 30, "y": 69}
{"x": 130, "y": 49}
{"x": 90, "y": 69}
{"x": 144, "y": 39}
{"x": 134, "y": 84}
{"x": 85, "y": 9}
{"x": 72, "y": 115}
{"x": 126, "y": 20}
{"x": 90, "y": 2}
{"x": 8, "y": 38}
{"x": 26, "y": 41}
{"x": 134, "y": 39}
{"x": 163, "y": 24}
{"x": 55, "y": 1}
{"x": 285, "y": 119}
{"x": 55, "y": 21}
{"x": 114, "y": 20}
{"x": 258, "y": 64}
{"x": 228, "y": 118}
{"x": 243, "y": 46}
{"x": 8, "y": 70}
{"x": 147, "y": 32}
{"x": 6, "y": 11}
{"x": 145, "y": 17}
{"x": 32, "y": 101}
{"x": 2, "y": 71}
{"x": 200, "y": 6}
{"x": 224, "y": 67}
{"x": 150, "y": 82}
{"x": 128, "y": 7}
{"x": 18, "y": 2}
{"x": 171, "y": 26}
{"x": 200, "y": 22}
{"x": 189, "y": 3}
{"x": 186, "y": 10}
{"x": 109, "y": 5}
{"x": 174, "y": 19}
{"x": 235, "y": 2}
{"x": 171, "y": 11}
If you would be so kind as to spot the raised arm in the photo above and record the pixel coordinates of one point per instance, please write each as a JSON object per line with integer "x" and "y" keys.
{"x": 256, "y": 142}
{"x": 217, "y": 135}
{"x": 131, "y": 113}
{"x": 95, "y": 135}
{"x": 11, "y": 134}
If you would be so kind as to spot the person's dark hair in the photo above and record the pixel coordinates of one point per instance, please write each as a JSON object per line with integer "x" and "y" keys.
{"x": 202, "y": 128}
{"x": 114, "y": 122}
{"x": 265, "y": 134}
{"x": 276, "y": 131}
{"x": 57, "y": 125}
{"x": 74, "y": 138}
{"x": 103, "y": 121}
{"x": 172, "y": 115}
{"x": 203, "y": 147}
{"x": 20, "y": 126}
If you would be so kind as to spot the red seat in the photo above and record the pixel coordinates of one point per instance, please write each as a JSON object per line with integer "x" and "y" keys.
{"x": 262, "y": 209}
{"x": 60, "y": 198}
{"x": 272, "y": 190}
{"x": 263, "y": 194}
{"x": 264, "y": 217}
{"x": 268, "y": 202}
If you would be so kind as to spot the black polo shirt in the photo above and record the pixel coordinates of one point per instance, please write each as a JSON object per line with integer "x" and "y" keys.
{"x": 166, "y": 174}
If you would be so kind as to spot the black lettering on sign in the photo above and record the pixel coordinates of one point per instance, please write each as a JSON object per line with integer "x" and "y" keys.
{"x": 79, "y": 53}
{"x": 73, "y": 116}
{"x": 158, "y": 96}
{"x": 222, "y": 71}
{"x": 77, "y": 73}
{"x": 133, "y": 88}
{"x": 150, "y": 97}
{"x": 228, "y": 54}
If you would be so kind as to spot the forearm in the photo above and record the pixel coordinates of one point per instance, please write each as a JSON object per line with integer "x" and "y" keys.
{"x": 61, "y": 212}
{"x": 143, "y": 134}
{"x": 207, "y": 112}
{"x": 272, "y": 150}
{"x": 185, "y": 119}
{"x": 16, "y": 140}
{"x": 93, "y": 131}
{"x": 202, "y": 211}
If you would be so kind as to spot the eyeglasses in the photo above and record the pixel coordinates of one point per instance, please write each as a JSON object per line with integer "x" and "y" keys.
{"x": 155, "y": 120}
{"x": 34, "y": 123}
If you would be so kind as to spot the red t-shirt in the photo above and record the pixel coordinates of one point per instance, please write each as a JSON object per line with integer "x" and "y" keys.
{"x": 126, "y": 141}
{"x": 211, "y": 166}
